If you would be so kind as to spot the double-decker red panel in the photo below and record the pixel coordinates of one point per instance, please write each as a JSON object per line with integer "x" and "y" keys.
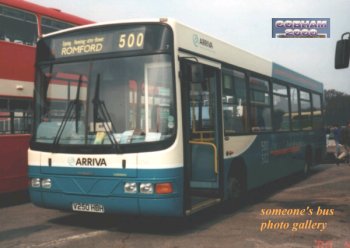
{"x": 13, "y": 169}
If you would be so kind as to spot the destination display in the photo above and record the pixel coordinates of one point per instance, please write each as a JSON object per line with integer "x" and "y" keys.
{"x": 118, "y": 38}
{"x": 99, "y": 42}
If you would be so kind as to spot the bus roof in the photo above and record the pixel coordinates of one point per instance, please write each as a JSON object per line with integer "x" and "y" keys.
{"x": 45, "y": 11}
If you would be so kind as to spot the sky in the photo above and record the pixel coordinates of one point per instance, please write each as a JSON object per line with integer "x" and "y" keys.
{"x": 246, "y": 24}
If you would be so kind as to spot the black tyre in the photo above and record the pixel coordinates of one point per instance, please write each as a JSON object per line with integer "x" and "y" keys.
{"x": 308, "y": 162}
{"x": 236, "y": 189}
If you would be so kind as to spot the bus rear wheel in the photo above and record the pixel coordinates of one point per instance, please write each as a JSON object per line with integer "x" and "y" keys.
{"x": 308, "y": 162}
{"x": 306, "y": 168}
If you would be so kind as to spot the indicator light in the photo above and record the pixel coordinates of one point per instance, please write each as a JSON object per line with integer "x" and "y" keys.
{"x": 164, "y": 188}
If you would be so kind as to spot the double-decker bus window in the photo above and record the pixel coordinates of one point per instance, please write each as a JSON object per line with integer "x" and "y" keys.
{"x": 294, "y": 100}
{"x": 22, "y": 122}
{"x": 3, "y": 105}
{"x": 15, "y": 116}
{"x": 5, "y": 123}
{"x": 234, "y": 102}
{"x": 4, "y": 117}
{"x": 49, "y": 25}
{"x": 316, "y": 111}
{"x": 21, "y": 114}
{"x": 260, "y": 108}
{"x": 20, "y": 105}
{"x": 281, "y": 113}
{"x": 18, "y": 26}
{"x": 305, "y": 108}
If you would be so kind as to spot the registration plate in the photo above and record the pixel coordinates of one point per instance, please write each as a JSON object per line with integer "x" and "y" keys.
{"x": 88, "y": 207}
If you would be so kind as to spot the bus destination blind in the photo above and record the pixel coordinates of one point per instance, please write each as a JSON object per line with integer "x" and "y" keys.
{"x": 96, "y": 43}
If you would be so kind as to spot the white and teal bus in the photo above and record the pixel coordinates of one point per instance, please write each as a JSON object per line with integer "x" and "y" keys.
{"x": 156, "y": 118}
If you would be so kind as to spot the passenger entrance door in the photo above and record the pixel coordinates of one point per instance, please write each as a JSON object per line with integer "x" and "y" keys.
{"x": 200, "y": 84}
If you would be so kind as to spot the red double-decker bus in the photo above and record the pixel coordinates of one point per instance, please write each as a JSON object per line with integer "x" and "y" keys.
{"x": 21, "y": 24}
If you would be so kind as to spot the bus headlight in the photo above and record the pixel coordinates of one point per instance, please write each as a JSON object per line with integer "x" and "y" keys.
{"x": 146, "y": 188}
{"x": 46, "y": 183}
{"x": 130, "y": 188}
{"x": 35, "y": 182}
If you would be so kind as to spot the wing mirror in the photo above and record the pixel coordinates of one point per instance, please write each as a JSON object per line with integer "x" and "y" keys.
{"x": 342, "y": 52}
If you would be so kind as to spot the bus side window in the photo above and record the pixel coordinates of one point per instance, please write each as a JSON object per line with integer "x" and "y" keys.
{"x": 234, "y": 102}
{"x": 305, "y": 107}
{"x": 281, "y": 113}
{"x": 317, "y": 112}
{"x": 260, "y": 110}
{"x": 18, "y": 26}
{"x": 294, "y": 100}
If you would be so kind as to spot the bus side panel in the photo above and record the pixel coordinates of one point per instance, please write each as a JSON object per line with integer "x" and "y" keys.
{"x": 271, "y": 156}
{"x": 274, "y": 156}
{"x": 13, "y": 168}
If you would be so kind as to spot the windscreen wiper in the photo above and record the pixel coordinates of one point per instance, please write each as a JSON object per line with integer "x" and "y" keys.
{"x": 76, "y": 102}
{"x": 99, "y": 106}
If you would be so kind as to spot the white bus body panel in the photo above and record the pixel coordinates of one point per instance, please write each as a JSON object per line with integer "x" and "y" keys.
{"x": 164, "y": 159}
{"x": 204, "y": 45}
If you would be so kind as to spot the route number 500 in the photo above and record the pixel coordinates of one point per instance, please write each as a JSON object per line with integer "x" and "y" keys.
{"x": 131, "y": 40}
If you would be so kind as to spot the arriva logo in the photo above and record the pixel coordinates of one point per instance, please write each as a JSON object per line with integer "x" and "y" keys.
{"x": 201, "y": 42}
{"x": 71, "y": 161}
{"x": 91, "y": 162}
{"x": 86, "y": 161}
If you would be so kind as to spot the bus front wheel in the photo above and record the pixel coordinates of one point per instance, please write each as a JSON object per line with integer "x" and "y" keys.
{"x": 236, "y": 189}
{"x": 308, "y": 162}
